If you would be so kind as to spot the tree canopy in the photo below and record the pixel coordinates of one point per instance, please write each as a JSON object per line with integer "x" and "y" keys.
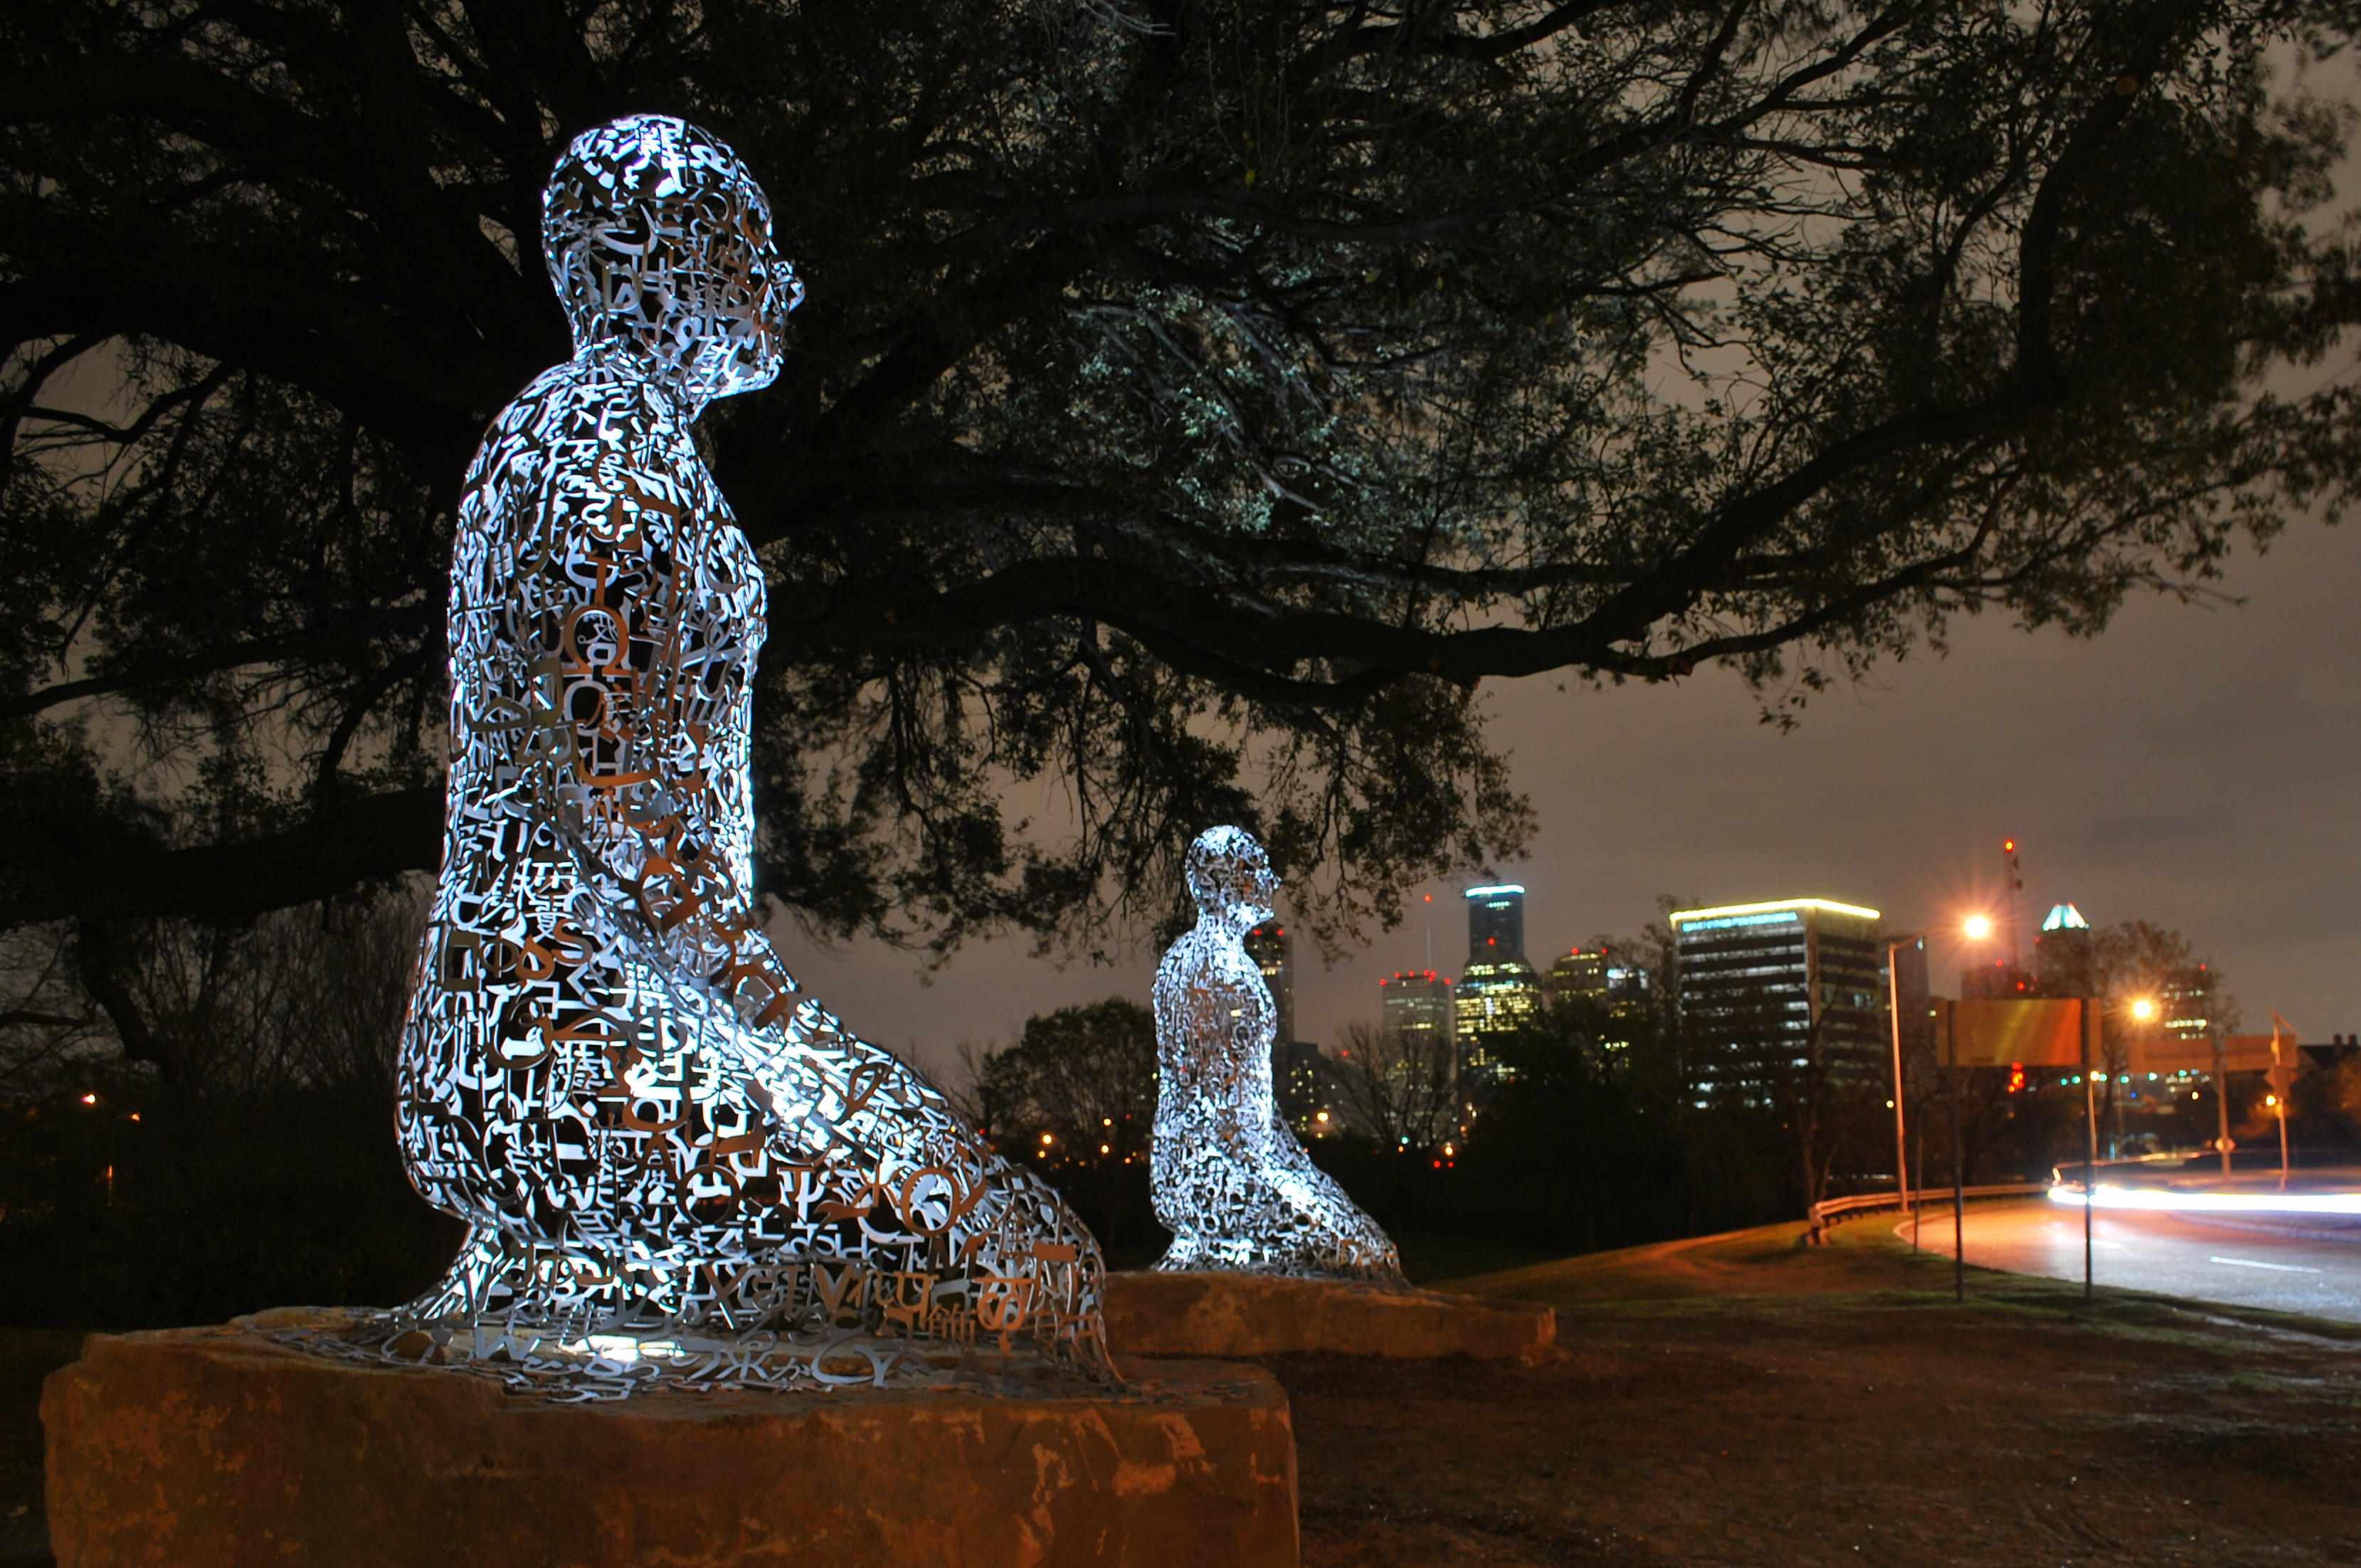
{"x": 1195, "y": 399}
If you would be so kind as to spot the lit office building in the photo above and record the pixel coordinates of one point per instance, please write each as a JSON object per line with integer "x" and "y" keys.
{"x": 1414, "y": 1012}
{"x": 1627, "y": 989}
{"x": 1499, "y": 991}
{"x": 1301, "y": 1082}
{"x": 1578, "y": 974}
{"x": 1594, "y": 971}
{"x": 2185, "y": 1004}
{"x": 1273, "y": 951}
{"x": 1761, "y": 983}
{"x": 2062, "y": 960}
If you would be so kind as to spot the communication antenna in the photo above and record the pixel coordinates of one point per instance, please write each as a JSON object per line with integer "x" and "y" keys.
{"x": 2013, "y": 883}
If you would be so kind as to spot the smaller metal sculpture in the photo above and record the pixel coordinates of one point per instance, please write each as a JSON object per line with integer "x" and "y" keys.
{"x": 1232, "y": 1184}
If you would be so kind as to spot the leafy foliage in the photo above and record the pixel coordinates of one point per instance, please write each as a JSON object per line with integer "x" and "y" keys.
{"x": 1074, "y": 1098}
{"x": 1196, "y": 399}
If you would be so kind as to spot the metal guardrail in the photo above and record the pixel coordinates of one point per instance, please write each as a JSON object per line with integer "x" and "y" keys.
{"x": 1827, "y": 1211}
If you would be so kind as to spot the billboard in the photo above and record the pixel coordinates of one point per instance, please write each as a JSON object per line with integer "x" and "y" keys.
{"x": 2011, "y": 1033}
{"x": 2241, "y": 1053}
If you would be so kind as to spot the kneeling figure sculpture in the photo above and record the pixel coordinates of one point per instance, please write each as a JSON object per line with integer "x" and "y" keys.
{"x": 1231, "y": 1183}
{"x": 669, "y": 1164}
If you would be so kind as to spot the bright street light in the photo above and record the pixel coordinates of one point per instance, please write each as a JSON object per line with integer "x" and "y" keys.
{"x": 2143, "y": 1009}
{"x": 1976, "y": 927}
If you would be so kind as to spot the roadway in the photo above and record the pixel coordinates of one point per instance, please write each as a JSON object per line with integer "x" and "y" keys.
{"x": 2245, "y": 1264}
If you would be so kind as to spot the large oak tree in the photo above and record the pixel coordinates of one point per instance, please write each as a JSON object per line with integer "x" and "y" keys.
{"x": 1195, "y": 401}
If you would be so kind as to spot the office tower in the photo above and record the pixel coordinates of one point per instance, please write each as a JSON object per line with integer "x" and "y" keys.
{"x": 1301, "y": 1081}
{"x": 1626, "y": 988}
{"x": 2184, "y": 1000}
{"x": 1499, "y": 991}
{"x": 1761, "y": 984}
{"x": 2062, "y": 954}
{"x": 1578, "y": 974}
{"x": 1273, "y": 951}
{"x": 1414, "y": 1012}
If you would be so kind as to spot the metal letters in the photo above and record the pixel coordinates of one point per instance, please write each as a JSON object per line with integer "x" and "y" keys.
{"x": 669, "y": 1162}
{"x": 1232, "y": 1184}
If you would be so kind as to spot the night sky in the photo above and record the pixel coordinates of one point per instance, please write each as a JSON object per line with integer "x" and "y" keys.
{"x": 2195, "y": 766}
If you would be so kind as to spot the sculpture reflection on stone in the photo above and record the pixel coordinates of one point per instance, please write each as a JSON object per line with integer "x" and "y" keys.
{"x": 1232, "y": 1183}
{"x": 669, "y": 1163}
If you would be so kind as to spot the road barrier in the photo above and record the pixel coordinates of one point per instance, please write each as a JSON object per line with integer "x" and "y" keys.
{"x": 1827, "y": 1211}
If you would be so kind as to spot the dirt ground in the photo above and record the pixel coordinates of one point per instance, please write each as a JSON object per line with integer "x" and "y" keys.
{"x": 1739, "y": 1401}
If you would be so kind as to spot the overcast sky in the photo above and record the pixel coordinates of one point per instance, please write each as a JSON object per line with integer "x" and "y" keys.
{"x": 2197, "y": 767}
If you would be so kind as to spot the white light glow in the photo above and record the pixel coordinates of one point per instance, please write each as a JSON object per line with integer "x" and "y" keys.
{"x": 1725, "y": 911}
{"x": 2108, "y": 1197}
{"x": 1229, "y": 1180}
{"x": 606, "y": 1071}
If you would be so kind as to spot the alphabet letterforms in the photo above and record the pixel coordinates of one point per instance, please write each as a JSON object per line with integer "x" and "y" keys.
{"x": 671, "y": 1165}
{"x": 1231, "y": 1183}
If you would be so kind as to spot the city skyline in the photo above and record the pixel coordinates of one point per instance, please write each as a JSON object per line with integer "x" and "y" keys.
{"x": 2228, "y": 813}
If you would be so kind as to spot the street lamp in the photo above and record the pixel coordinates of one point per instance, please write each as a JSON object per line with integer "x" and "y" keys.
{"x": 1975, "y": 928}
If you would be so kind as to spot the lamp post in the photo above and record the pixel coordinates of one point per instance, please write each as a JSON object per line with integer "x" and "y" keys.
{"x": 2143, "y": 1012}
{"x": 1901, "y": 1147}
{"x": 2221, "y": 1091}
{"x": 1975, "y": 928}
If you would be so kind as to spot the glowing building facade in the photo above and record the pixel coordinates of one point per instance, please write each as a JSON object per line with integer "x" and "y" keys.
{"x": 1761, "y": 985}
{"x": 1499, "y": 992}
{"x": 1416, "y": 1015}
{"x": 1627, "y": 989}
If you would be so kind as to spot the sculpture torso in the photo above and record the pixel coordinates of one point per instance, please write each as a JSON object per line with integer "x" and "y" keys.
{"x": 1215, "y": 1023}
{"x": 606, "y": 615}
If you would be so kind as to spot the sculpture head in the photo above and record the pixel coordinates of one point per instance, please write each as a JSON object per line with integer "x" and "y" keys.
{"x": 1230, "y": 878}
{"x": 656, "y": 235}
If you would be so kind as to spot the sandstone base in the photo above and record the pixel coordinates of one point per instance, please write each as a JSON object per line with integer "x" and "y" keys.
{"x": 1257, "y": 1314}
{"x": 204, "y": 1447}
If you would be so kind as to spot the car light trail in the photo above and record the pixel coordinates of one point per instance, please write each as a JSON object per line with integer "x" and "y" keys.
{"x": 2107, "y": 1197}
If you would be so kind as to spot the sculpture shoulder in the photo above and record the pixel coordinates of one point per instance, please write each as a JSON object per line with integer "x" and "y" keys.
{"x": 1204, "y": 959}
{"x": 580, "y": 425}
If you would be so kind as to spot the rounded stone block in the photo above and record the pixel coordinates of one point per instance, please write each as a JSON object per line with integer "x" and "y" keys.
{"x": 1210, "y": 1314}
{"x": 206, "y": 1448}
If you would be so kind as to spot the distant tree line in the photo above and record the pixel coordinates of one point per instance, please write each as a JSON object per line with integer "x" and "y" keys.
{"x": 234, "y": 1149}
{"x": 220, "y": 1137}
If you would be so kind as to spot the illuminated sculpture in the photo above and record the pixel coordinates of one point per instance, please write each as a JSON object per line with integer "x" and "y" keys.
{"x": 1232, "y": 1184}
{"x": 667, "y": 1163}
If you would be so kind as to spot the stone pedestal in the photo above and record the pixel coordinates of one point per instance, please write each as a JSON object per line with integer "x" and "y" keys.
{"x": 1255, "y": 1314}
{"x": 204, "y": 1448}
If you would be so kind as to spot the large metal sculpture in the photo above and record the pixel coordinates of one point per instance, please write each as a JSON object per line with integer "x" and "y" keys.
{"x": 1231, "y": 1183}
{"x": 667, "y": 1161}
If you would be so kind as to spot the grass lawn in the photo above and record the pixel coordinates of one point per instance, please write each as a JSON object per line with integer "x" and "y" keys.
{"x": 1741, "y": 1401}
